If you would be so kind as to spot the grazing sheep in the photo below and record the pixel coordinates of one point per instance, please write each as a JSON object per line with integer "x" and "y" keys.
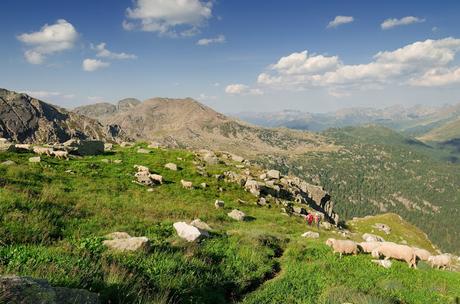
{"x": 43, "y": 150}
{"x": 367, "y": 247}
{"x": 186, "y": 184}
{"x": 342, "y": 246}
{"x": 397, "y": 252}
{"x": 61, "y": 154}
{"x": 440, "y": 261}
{"x": 156, "y": 178}
{"x": 422, "y": 254}
{"x": 141, "y": 168}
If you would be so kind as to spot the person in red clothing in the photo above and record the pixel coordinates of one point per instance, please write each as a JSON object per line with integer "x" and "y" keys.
{"x": 310, "y": 219}
{"x": 317, "y": 220}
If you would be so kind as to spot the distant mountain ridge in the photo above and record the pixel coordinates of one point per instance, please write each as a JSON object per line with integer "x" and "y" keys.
{"x": 26, "y": 119}
{"x": 104, "y": 109}
{"x": 188, "y": 123}
{"x": 416, "y": 120}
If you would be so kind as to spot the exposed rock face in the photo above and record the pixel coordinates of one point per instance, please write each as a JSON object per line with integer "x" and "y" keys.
{"x": 104, "y": 109}
{"x": 273, "y": 174}
{"x": 85, "y": 147}
{"x": 127, "y": 104}
{"x": 315, "y": 196}
{"x": 96, "y": 110}
{"x": 14, "y": 289}
{"x": 26, "y": 119}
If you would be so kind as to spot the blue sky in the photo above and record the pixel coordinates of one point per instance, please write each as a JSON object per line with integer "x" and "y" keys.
{"x": 234, "y": 55}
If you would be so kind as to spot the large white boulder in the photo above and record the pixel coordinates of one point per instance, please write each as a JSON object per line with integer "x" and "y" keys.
{"x": 237, "y": 215}
{"x": 122, "y": 241}
{"x": 171, "y": 166}
{"x": 85, "y": 147}
{"x": 200, "y": 225}
{"x": 368, "y": 237}
{"x": 143, "y": 151}
{"x": 311, "y": 235}
{"x": 273, "y": 174}
{"x": 237, "y": 158}
{"x": 188, "y": 232}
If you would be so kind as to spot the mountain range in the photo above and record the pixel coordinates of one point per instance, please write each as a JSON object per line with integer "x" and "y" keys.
{"x": 425, "y": 122}
{"x": 188, "y": 123}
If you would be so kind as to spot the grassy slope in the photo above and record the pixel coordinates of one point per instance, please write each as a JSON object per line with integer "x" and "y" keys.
{"x": 52, "y": 223}
{"x": 378, "y": 171}
{"x": 444, "y": 132}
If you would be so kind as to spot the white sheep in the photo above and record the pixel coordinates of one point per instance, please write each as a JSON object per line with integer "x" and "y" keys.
{"x": 397, "y": 252}
{"x": 368, "y": 247}
{"x": 422, "y": 254}
{"x": 61, "y": 154}
{"x": 156, "y": 178}
{"x": 186, "y": 184}
{"x": 440, "y": 261}
{"x": 43, "y": 150}
{"x": 141, "y": 168}
{"x": 342, "y": 246}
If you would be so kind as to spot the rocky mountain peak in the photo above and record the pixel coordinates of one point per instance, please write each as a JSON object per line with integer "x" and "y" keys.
{"x": 27, "y": 119}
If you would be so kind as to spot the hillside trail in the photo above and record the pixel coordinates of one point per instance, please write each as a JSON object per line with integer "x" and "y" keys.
{"x": 276, "y": 272}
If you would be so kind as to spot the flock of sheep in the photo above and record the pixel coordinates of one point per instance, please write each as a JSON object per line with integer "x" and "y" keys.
{"x": 390, "y": 250}
{"x": 51, "y": 152}
{"x": 145, "y": 177}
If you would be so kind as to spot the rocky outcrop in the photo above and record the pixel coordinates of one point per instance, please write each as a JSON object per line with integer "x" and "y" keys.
{"x": 15, "y": 289}
{"x": 127, "y": 104}
{"x": 85, "y": 147}
{"x": 96, "y": 110}
{"x": 25, "y": 119}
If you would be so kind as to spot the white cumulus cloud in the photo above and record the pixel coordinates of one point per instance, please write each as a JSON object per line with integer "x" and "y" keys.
{"x": 91, "y": 65}
{"x": 208, "y": 41}
{"x": 48, "y": 40}
{"x": 339, "y": 20}
{"x": 103, "y": 52}
{"x": 392, "y": 22}
{"x": 438, "y": 77}
{"x": 420, "y": 63}
{"x": 242, "y": 89}
{"x": 168, "y": 17}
